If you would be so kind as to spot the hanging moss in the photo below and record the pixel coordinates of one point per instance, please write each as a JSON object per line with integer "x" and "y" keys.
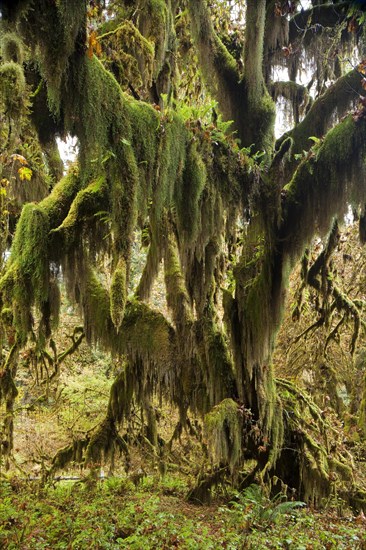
{"x": 325, "y": 111}
{"x": 118, "y": 294}
{"x": 120, "y": 397}
{"x": 71, "y": 453}
{"x": 101, "y": 442}
{"x": 12, "y": 89}
{"x": 96, "y": 311}
{"x": 223, "y": 429}
{"x": 146, "y": 333}
{"x": 172, "y": 155}
{"x": 322, "y": 460}
{"x": 157, "y": 24}
{"x": 58, "y": 29}
{"x": 55, "y": 164}
{"x": 133, "y": 55}
{"x": 177, "y": 297}
{"x": 29, "y": 256}
{"x": 125, "y": 184}
{"x": 318, "y": 189}
{"x": 145, "y": 145}
{"x": 215, "y": 361}
{"x": 12, "y": 48}
{"x": 192, "y": 185}
{"x": 95, "y": 110}
{"x": 296, "y": 95}
{"x": 362, "y": 412}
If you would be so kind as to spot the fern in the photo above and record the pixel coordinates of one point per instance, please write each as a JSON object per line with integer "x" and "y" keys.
{"x": 258, "y": 510}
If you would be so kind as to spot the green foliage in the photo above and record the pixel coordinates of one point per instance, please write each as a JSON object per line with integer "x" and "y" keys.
{"x": 255, "y": 510}
{"x": 116, "y": 515}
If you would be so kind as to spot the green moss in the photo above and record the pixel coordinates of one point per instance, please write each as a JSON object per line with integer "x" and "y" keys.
{"x": 101, "y": 443}
{"x": 362, "y": 412}
{"x": 145, "y": 146}
{"x": 57, "y": 29}
{"x": 317, "y": 192}
{"x": 7, "y": 316}
{"x": 83, "y": 207}
{"x": 215, "y": 362}
{"x": 120, "y": 397}
{"x": 68, "y": 454}
{"x": 223, "y": 428}
{"x": 12, "y": 48}
{"x": 26, "y": 282}
{"x": 96, "y": 311}
{"x": 30, "y": 249}
{"x": 191, "y": 188}
{"x": 125, "y": 183}
{"x": 12, "y": 89}
{"x": 133, "y": 55}
{"x": 157, "y": 27}
{"x": 146, "y": 333}
{"x": 118, "y": 294}
{"x": 95, "y": 110}
{"x": 218, "y": 66}
{"x": 337, "y": 99}
{"x": 177, "y": 296}
{"x": 58, "y": 202}
{"x": 172, "y": 156}
{"x": 54, "y": 162}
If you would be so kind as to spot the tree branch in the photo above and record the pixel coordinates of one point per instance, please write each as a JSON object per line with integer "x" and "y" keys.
{"x": 218, "y": 65}
{"x": 322, "y": 187}
{"x": 336, "y": 100}
{"x": 307, "y": 22}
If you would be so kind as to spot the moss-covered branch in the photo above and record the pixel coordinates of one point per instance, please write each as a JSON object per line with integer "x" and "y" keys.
{"x": 329, "y": 179}
{"x": 84, "y": 206}
{"x": 218, "y": 66}
{"x": 336, "y": 101}
{"x": 307, "y": 22}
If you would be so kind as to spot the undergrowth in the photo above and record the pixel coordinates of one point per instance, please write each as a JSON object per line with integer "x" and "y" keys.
{"x": 152, "y": 514}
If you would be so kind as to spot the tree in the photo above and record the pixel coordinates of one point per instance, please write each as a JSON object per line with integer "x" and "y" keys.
{"x": 227, "y": 222}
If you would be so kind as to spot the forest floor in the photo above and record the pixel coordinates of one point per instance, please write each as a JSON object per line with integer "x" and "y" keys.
{"x": 152, "y": 514}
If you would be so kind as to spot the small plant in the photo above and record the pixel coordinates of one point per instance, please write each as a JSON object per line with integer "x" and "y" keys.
{"x": 253, "y": 509}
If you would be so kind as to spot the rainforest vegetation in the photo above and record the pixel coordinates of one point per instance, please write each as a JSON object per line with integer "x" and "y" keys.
{"x": 198, "y": 268}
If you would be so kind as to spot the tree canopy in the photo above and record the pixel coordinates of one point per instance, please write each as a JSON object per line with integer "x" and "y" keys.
{"x": 173, "y": 104}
